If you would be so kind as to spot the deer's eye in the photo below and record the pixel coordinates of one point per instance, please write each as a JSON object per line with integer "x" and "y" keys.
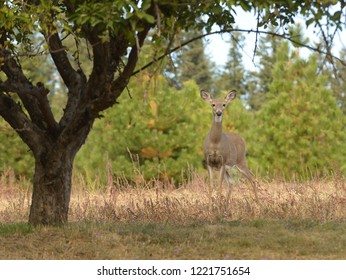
{"x": 224, "y": 105}
{"x": 213, "y": 105}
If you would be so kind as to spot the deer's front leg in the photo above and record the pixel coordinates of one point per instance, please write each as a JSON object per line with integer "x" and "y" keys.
{"x": 221, "y": 176}
{"x": 210, "y": 173}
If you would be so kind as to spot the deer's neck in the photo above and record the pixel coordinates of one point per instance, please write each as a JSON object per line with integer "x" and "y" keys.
{"x": 216, "y": 131}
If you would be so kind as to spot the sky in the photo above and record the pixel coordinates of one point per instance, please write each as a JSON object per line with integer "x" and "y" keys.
{"x": 217, "y": 46}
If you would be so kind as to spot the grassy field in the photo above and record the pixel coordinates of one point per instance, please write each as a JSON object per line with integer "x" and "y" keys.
{"x": 292, "y": 221}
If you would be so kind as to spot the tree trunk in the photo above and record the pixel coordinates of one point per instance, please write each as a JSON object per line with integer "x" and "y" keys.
{"x": 52, "y": 190}
{"x": 55, "y": 144}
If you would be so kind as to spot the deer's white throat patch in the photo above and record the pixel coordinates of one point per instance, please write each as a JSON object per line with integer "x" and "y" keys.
{"x": 218, "y": 118}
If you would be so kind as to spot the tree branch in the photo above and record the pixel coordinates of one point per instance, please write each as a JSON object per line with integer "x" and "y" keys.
{"x": 69, "y": 75}
{"x": 120, "y": 83}
{"x": 18, "y": 120}
{"x": 283, "y": 36}
{"x": 108, "y": 59}
{"x": 34, "y": 98}
{"x": 73, "y": 79}
{"x": 257, "y": 29}
{"x": 40, "y": 93}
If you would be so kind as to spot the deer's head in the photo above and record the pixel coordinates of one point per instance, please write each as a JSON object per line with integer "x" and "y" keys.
{"x": 218, "y": 105}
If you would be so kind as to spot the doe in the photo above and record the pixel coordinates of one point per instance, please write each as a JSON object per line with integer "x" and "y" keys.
{"x": 223, "y": 150}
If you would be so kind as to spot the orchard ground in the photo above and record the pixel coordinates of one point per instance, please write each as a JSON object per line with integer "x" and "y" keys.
{"x": 293, "y": 220}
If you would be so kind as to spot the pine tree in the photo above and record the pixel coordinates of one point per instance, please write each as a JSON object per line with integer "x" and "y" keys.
{"x": 192, "y": 63}
{"x": 301, "y": 129}
{"x": 267, "y": 48}
{"x": 339, "y": 81}
{"x": 154, "y": 138}
{"x": 233, "y": 76}
{"x": 336, "y": 73}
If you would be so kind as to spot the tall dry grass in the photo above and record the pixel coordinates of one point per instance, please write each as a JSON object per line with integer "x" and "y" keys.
{"x": 320, "y": 200}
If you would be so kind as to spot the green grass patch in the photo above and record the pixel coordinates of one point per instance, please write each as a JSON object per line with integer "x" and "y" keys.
{"x": 258, "y": 239}
{"x": 20, "y": 228}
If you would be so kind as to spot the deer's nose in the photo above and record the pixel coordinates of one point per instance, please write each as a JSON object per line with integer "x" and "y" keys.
{"x": 218, "y": 113}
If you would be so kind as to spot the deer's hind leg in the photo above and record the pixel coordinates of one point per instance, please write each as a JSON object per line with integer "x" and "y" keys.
{"x": 243, "y": 168}
{"x": 228, "y": 177}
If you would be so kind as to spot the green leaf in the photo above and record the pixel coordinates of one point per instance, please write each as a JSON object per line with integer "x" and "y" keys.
{"x": 149, "y": 18}
{"x": 336, "y": 17}
{"x": 143, "y": 15}
{"x": 309, "y": 21}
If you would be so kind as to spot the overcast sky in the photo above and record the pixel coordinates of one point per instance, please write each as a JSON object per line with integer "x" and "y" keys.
{"x": 217, "y": 46}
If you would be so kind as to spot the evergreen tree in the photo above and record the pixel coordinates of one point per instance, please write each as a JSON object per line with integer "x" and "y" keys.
{"x": 339, "y": 81}
{"x": 300, "y": 130}
{"x": 336, "y": 73}
{"x": 192, "y": 63}
{"x": 267, "y": 48}
{"x": 233, "y": 76}
{"x": 158, "y": 135}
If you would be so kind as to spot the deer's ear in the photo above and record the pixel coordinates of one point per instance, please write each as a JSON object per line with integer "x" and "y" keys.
{"x": 230, "y": 96}
{"x": 206, "y": 96}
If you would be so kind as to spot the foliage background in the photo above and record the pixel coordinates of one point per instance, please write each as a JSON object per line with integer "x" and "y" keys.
{"x": 290, "y": 112}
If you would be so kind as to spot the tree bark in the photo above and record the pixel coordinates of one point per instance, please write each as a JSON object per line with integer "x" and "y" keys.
{"x": 51, "y": 191}
{"x": 53, "y": 172}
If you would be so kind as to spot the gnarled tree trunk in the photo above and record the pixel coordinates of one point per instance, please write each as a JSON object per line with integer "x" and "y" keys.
{"x": 53, "y": 172}
{"x": 54, "y": 144}
{"x": 52, "y": 190}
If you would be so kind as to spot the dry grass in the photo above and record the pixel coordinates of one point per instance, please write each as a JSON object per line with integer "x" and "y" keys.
{"x": 319, "y": 200}
{"x": 294, "y": 220}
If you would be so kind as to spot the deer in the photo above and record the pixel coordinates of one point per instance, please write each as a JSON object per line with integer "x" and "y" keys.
{"x": 224, "y": 150}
